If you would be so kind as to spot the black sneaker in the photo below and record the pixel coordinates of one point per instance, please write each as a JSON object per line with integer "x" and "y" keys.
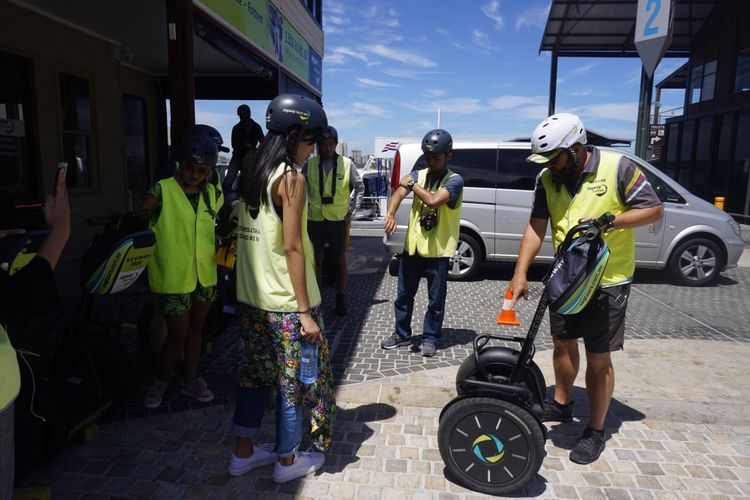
{"x": 341, "y": 305}
{"x": 589, "y": 447}
{"x": 428, "y": 349}
{"x": 394, "y": 341}
{"x": 555, "y": 412}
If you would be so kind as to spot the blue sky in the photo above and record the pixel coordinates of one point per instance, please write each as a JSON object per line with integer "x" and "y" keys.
{"x": 389, "y": 66}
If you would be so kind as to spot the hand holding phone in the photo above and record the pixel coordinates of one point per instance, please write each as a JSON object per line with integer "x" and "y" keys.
{"x": 59, "y": 180}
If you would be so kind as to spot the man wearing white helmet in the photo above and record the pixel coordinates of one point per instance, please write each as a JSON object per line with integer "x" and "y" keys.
{"x": 582, "y": 182}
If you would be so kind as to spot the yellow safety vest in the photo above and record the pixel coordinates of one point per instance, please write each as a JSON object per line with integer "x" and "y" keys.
{"x": 263, "y": 279}
{"x": 10, "y": 376}
{"x": 597, "y": 194}
{"x": 337, "y": 210}
{"x": 185, "y": 241}
{"x": 442, "y": 240}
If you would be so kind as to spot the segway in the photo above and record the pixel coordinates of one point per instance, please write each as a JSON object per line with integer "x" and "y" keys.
{"x": 491, "y": 436}
{"x": 65, "y": 391}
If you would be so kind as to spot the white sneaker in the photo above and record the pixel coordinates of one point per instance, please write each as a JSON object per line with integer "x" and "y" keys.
{"x": 263, "y": 454}
{"x": 305, "y": 462}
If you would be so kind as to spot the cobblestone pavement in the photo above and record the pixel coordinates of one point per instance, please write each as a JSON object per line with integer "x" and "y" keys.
{"x": 677, "y": 443}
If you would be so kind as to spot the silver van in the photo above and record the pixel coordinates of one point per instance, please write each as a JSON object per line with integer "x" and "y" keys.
{"x": 693, "y": 242}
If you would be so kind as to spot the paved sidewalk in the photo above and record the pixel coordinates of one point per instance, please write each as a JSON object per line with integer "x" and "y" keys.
{"x": 679, "y": 429}
{"x": 679, "y": 425}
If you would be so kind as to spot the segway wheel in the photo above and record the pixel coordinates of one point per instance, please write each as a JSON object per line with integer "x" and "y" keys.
{"x": 489, "y": 445}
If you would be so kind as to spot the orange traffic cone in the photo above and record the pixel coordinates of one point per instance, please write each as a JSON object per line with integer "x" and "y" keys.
{"x": 507, "y": 315}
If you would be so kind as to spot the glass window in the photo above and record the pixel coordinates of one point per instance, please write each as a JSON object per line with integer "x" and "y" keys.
{"x": 742, "y": 80}
{"x": 17, "y": 172}
{"x": 703, "y": 143}
{"x": 696, "y": 76}
{"x": 514, "y": 172}
{"x": 135, "y": 139}
{"x": 78, "y": 137}
{"x": 684, "y": 166}
{"x": 663, "y": 190}
{"x": 476, "y": 166}
{"x": 709, "y": 81}
{"x": 737, "y": 200}
{"x": 673, "y": 138}
{"x": 720, "y": 175}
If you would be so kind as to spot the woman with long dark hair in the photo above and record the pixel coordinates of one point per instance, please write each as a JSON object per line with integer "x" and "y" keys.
{"x": 279, "y": 299}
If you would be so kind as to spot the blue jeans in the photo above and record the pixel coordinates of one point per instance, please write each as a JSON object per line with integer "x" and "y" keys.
{"x": 248, "y": 415}
{"x": 411, "y": 271}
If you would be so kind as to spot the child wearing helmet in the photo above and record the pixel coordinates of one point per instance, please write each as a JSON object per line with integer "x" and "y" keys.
{"x": 182, "y": 272}
{"x": 279, "y": 298}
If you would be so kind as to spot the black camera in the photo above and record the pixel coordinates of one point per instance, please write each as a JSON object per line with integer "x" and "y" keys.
{"x": 327, "y": 200}
{"x": 428, "y": 221}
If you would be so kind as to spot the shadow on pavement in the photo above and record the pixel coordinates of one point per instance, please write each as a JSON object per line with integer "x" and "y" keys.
{"x": 353, "y": 422}
{"x": 565, "y": 435}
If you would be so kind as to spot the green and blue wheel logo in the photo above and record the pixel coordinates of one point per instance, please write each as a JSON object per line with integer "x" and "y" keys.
{"x": 488, "y": 449}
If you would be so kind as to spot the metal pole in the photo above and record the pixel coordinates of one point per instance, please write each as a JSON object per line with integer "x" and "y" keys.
{"x": 552, "y": 83}
{"x": 644, "y": 110}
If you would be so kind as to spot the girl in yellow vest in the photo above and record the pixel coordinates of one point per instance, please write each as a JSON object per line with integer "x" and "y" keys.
{"x": 280, "y": 312}
{"x": 182, "y": 272}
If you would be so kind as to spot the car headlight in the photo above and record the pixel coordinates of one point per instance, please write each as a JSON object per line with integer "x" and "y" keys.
{"x": 735, "y": 226}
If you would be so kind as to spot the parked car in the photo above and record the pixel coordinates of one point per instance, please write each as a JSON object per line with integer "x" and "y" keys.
{"x": 693, "y": 242}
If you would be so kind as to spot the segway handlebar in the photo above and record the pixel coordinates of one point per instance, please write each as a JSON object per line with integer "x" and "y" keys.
{"x": 591, "y": 230}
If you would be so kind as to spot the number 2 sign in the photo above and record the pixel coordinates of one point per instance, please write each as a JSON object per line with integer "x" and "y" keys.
{"x": 653, "y": 31}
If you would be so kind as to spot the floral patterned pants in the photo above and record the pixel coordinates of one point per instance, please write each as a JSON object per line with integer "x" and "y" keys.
{"x": 269, "y": 357}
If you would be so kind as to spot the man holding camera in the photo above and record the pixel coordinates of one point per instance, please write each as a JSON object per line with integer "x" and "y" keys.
{"x": 431, "y": 240}
{"x": 334, "y": 193}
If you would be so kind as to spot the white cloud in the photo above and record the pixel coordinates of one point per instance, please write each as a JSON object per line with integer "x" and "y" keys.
{"x": 436, "y": 92}
{"x": 370, "y": 11}
{"x": 459, "y": 105}
{"x": 370, "y": 109}
{"x": 492, "y": 10}
{"x": 442, "y": 31}
{"x": 339, "y": 21}
{"x": 626, "y": 111}
{"x": 215, "y": 119}
{"x": 483, "y": 41}
{"x": 375, "y": 83}
{"x": 515, "y": 101}
{"x": 334, "y": 7}
{"x": 534, "y": 17}
{"x": 338, "y": 55}
{"x": 407, "y": 73}
{"x": 408, "y": 58}
{"x": 581, "y": 70}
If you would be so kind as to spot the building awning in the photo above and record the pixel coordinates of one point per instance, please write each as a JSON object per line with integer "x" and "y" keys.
{"x": 605, "y": 28}
{"x": 225, "y": 66}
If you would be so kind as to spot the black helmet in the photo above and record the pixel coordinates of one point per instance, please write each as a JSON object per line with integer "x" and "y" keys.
{"x": 290, "y": 110}
{"x": 209, "y": 131}
{"x": 330, "y": 133}
{"x": 198, "y": 149}
{"x": 437, "y": 141}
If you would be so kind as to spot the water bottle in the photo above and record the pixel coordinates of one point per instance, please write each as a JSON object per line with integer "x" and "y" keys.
{"x": 308, "y": 366}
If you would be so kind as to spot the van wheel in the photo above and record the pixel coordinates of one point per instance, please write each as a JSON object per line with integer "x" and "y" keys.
{"x": 696, "y": 262}
{"x": 465, "y": 262}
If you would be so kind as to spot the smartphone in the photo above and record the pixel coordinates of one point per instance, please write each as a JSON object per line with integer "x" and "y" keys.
{"x": 60, "y": 171}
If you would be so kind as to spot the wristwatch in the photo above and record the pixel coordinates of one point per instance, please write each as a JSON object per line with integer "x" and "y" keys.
{"x": 410, "y": 184}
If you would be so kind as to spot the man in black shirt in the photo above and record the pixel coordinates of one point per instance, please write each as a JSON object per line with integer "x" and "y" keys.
{"x": 245, "y": 135}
